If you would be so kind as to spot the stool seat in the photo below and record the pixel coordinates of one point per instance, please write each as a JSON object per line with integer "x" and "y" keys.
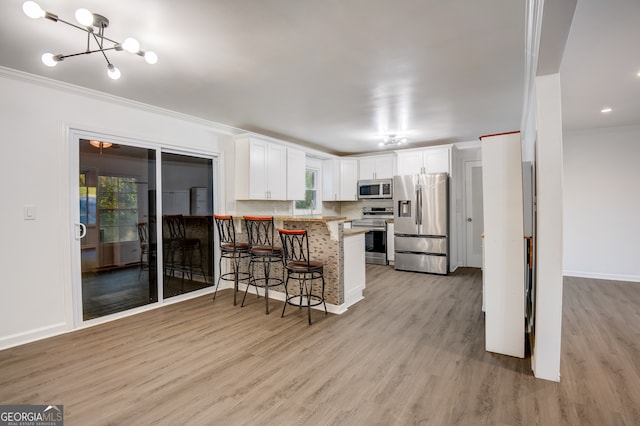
{"x": 234, "y": 247}
{"x": 266, "y": 250}
{"x": 304, "y": 266}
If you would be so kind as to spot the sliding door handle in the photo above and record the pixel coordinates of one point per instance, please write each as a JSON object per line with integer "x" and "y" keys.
{"x": 82, "y": 231}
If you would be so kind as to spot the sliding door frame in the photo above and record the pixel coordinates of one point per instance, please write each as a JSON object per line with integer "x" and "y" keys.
{"x": 74, "y": 137}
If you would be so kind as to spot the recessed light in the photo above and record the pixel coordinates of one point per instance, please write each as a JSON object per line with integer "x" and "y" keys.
{"x": 606, "y": 110}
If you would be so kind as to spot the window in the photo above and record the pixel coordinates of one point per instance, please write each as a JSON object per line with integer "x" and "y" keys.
{"x": 311, "y": 201}
{"x": 87, "y": 201}
{"x": 118, "y": 209}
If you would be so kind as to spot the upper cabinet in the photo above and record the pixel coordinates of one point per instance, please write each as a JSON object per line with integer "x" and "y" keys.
{"x": 378, "y": 167}
{"x": 428, "y": 160}
{"x": 296, "y": 167}
{"x": 261, "y": 169}
{"x": 340, "y": 180}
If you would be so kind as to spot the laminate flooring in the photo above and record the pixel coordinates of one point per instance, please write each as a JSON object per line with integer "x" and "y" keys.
{"x": 411, "y": 352}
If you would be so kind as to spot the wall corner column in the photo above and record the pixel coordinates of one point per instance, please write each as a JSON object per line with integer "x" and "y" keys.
{"x": 549, "y": 171}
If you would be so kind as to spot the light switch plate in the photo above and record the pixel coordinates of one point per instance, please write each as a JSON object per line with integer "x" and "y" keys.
{"x": 29, "y": 212}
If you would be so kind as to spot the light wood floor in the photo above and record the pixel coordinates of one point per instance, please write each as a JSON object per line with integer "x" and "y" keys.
{"x": 412, "y": 352}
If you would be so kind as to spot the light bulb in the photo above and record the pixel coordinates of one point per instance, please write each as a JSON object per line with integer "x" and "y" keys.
{"x": 131, "y": 45}
{"x": 84, "y": 17}
{"x": 32, "y": 10}
{"x": 151, "y": 57}
{"x": 50, "y": 60}
{"x": 113, "y": 72}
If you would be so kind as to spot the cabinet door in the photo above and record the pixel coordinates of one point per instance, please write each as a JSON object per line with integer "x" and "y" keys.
{"x": 409, "y": 163}
{"x": 258, "y": 186}
{"x": 367, "y": 168}
{"x": 296, "y": 167}
{"x": 348, "y": 180}
{"x": 276, "y": 172}
{"x": 329, "y": 180}
{"x": 436, "y": 160}
{"x": 384, "y": 167}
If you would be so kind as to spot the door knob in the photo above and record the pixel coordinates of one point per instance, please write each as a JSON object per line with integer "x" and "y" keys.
{"x": 469, "y": 219}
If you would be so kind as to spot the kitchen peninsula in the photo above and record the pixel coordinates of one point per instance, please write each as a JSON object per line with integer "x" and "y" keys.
{"x": 340, "y": 250}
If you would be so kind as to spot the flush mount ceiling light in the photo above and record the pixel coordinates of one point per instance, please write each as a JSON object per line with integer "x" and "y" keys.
{"x": 606, "y": 110}
{"x": 100, "y": 145}
{"x": 94, "y": 25}
{"x": 392, "y": 140}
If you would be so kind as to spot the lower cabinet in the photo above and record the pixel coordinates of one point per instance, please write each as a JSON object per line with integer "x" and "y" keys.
{"x": 391, "y": 254}
{"x": 354, "y": 269}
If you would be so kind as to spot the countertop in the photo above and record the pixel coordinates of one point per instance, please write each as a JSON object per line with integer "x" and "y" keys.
{"x": 314, "y": 218}
{"x": 355, "y": 231}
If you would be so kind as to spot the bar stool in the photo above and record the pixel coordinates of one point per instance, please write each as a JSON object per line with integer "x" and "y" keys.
{"x": 299, "y": 266}
{"x": 232, "y": 250}
{"x": 260, "y": 232}
{"x": 185, "y": 249}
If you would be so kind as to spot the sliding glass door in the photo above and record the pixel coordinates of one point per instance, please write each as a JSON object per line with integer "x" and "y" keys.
{"x": 187, "y": 223}
{"x": 117, "y": 186}
{"x": 144, "y": 228}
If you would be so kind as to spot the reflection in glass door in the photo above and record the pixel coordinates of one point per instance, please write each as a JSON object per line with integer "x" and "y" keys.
{"x": 117, "y": 186}
{"x": 187, "y": 223}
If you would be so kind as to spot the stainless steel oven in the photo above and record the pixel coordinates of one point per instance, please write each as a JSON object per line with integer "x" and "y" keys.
{"x": 375, "y": 220}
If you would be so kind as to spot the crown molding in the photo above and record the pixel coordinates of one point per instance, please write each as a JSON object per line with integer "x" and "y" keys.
{"x": 11, "y": 73}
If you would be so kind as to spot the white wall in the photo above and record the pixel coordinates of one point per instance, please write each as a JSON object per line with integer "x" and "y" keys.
{"x": 545, "y": 361}
{"x": 602, "y": 203}
{"x": 36, "y": 255}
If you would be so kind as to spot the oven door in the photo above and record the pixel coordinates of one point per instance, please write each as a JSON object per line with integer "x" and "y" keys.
{"x": 375, "y": 242}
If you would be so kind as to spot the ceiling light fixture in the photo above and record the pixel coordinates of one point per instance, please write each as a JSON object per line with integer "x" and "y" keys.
{"x": 606, "y": 110}
{"x": 94, "y": 25}
{"x": 101, "y": 145}
{"x": 392, "y": 140}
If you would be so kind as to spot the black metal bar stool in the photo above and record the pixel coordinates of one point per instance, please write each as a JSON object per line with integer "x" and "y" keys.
{"x": 260, "y": 232}
{"x": 230, "y": 249}
{"x": 299, "y": 266}
{"x": 188, "y": 251}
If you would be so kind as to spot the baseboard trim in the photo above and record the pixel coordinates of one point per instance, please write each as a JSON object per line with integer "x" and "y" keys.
{"x": 602, "y": 276}
{"x": 34, "y": 335}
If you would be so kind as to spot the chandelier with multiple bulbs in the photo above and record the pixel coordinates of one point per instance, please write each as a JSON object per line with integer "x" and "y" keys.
{"x": 388, "y": 140}
{"x": 94, "y": 25}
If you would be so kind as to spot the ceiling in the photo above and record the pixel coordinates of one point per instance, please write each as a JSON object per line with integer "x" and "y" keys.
{"x": 334, "y": 75}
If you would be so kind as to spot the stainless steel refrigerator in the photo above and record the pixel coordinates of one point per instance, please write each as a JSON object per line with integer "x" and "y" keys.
{"x": 421, "y": 222}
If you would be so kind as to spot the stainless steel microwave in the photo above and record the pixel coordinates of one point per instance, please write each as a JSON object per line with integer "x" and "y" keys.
{"x": 375, "y": 188}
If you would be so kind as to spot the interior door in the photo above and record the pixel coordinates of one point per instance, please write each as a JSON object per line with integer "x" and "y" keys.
{"x": 473, "y": 213}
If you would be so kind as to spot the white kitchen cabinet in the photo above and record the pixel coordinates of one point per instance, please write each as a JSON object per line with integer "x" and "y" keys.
{"x": 378, "y": 167}
{"x": 428, "y": 160}
{"x": 260, "y": 170}
{"x": 296, "y": 169}
{"x": 391, "y": 254}
{"x": 355, "y": 279}
{"x": 340, "y": 180}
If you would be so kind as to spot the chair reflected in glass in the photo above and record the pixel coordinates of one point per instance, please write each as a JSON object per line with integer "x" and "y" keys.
{"x": 263, "y": 252}
{"x": 182, "y": 254}
{"x": 143, "y": 237}
{"x": 300, "y": 267}
{"x": 232, "y": 250}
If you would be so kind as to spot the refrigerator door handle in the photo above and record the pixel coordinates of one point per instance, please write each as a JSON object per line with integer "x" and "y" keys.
{"x": 418, "y": 212}
{"x": 419, "y": 194}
